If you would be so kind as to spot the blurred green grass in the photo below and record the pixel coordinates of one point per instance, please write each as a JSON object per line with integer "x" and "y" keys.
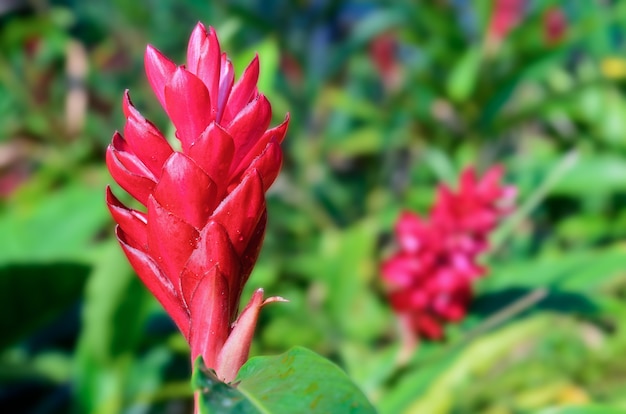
{"x": 81, "y": 334}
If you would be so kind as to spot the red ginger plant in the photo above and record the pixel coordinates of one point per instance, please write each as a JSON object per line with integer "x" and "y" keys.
{"x": 196, "y": 243}
{"x": 430, "y": 277}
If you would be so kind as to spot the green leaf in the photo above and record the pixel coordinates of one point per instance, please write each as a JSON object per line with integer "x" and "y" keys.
{"x": 589, "y": 409}
{"x": 414, "y": 384}
{"x": 217, "y": 397}
{"x": 36, "y": 294}
{"x": 436, "y": 394}
{"x": 556, "y": 175}
{"x": 463, "y": 77}
{"x": 300, "y": 381}
{"x": 360, "y": 141}
{"x": 593, "y": 176}
{"x": 348, "y": 270}
{"x": 55, "y": 226}
{"x": 116, "y": 308}
{"x": 585, "y": 271}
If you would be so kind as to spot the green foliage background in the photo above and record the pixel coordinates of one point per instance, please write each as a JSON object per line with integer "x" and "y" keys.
{"x": 547, "y": 329}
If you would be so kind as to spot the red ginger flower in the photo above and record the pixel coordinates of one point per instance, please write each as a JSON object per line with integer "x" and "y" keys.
{"x": 430, "y": 277}
{"x": 196, "y": 244}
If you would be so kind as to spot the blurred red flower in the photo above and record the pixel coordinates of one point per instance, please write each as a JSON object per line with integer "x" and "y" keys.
{"x": 508, "y": 14}
{"x": 554, "y": 25}
{"x": 198, "y": 239}
{"x": 505, "y": 16}
{"x": 383, "y": 51}
{"x": 430, "y": 276}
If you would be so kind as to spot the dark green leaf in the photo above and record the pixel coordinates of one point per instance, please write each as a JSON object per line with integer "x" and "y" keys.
{"x": 217, "y": 397}
{"x": 36, "y": 294}
{"x": 300, "y": 381}
{"x": 114, "y": 313}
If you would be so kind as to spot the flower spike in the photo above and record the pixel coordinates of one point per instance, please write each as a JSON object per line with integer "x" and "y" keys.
{"x": 196, "y": 242}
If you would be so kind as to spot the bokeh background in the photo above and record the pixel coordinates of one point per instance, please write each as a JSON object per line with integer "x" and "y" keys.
{"x": 387, "y": 100}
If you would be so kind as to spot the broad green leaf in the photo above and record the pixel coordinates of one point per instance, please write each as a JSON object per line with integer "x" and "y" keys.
{"x": 217, "y": 397}
{"x": 300, "y": 381}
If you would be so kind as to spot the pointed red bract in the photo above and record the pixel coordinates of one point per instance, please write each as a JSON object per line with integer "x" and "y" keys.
{"x": 198, "y": 239}
{"x": 182, "y": 179}
{"x": 268, "y": 163}
{"x": 244, "y": 90}
{"x": 137, "y": 185}
{"x": 213, "y": 151}
{"x": 430, "y": 277}
{"x": 235, "y": 351}
{"x": 227, "y": 77}
{"x": 214, "y": 249}
{"x": 188, "y": 103}
{"x": 204, "y": 61}
{"x": 249, "y": 125}
{"x": 170, "y": 239}
{"x": 131, "y": 222}
{"x": 157, "y": 283}
{"x": 276, "y": 134}
{"x": 240, "y": 212}
{"x": 208, "y": 308}
{"x": 159, "y": 71}
{"x": 144, "y": 139}
{"x": 252, "y": 250}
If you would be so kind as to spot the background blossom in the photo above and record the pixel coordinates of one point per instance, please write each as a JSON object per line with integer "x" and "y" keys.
{"x": 430, "y": 277}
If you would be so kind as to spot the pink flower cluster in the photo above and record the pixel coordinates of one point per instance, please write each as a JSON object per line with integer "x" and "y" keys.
{"x": 430, "y": 277}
